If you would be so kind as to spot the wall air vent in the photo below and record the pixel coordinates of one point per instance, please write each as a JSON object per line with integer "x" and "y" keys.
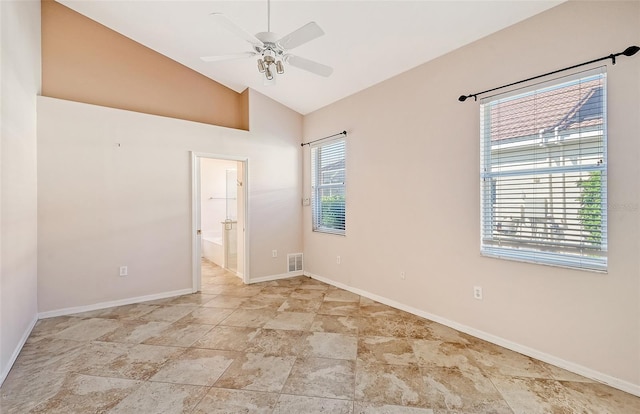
{"x": 295, "y": 262}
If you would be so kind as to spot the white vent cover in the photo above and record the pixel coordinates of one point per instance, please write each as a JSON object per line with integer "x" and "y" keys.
{"x": 295, "y": 262}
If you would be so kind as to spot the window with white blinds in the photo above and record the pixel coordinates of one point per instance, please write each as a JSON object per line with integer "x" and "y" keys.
{"x": 328, "y": 186}
{"x": 544, "y": 173}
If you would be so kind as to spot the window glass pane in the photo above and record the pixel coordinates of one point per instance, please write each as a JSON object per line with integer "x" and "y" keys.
{"x": 332, "y": 208}
{"x": 543, "y": 174}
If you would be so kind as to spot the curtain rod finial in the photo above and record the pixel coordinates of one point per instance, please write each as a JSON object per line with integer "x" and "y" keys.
{"x": 631, "y": 50}
{"x": 462, "y": 98}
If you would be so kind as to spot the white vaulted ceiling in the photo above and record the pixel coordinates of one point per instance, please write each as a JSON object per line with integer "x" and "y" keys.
{"x": 365, "y": 42}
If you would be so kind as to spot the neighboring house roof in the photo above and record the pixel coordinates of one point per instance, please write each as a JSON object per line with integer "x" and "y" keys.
{"x": 548, "y": 110}
{"x": 337, "y": 165}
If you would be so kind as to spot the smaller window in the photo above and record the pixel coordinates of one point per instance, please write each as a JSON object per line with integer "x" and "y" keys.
{"x": 328, "y": 186}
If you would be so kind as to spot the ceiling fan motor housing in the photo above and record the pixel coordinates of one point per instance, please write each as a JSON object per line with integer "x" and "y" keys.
{"x": 270, "y": 41}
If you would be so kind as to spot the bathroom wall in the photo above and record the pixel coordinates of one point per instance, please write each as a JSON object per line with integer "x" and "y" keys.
{"x": 213, "y": 191}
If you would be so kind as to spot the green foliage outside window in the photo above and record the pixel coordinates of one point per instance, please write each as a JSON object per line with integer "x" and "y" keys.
{"x": 333, "y": 212}
{"x": 590, "y": 213}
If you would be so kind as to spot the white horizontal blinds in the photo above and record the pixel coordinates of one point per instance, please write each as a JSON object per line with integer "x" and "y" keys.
{"x": 544, "y": 174}
{"x": 328, "y": 186}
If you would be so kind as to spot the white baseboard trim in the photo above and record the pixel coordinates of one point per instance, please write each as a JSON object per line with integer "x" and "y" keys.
{"x": 275, "y": 277}
{"x": 110, "y": 304}
{"x": 550, "y": 359}
{"x": 18, "y": 348}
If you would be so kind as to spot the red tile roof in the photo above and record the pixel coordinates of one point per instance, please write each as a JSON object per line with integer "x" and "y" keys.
{"x": 569, "y": 107}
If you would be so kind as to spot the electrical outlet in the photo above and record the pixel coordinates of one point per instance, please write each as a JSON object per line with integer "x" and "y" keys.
{"x": 402, "y": 275}
{"x": 338, "y": 259}
{"x": 477, "y": 292}
{"x": 274, "y": 253}
{"x": 124, "y": 271}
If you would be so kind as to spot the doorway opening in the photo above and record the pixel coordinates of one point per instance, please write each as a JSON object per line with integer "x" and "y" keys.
{"x": 219, "y": 216}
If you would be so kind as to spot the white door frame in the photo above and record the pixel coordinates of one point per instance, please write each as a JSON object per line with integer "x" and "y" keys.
{"x": 196, "y": 237}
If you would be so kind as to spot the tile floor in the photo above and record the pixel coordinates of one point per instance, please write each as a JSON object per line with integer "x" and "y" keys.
{"x": 287, "y": 346}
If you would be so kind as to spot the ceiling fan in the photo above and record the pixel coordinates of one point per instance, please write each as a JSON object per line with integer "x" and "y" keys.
{"x": 271, "y": 49}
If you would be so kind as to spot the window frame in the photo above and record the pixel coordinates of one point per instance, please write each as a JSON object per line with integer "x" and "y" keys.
{"x": 529, "y": 250}
{"x": 317, "y": 187}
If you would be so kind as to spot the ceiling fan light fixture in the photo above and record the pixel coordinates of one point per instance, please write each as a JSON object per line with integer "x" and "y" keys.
{"x": 272, "y": 50}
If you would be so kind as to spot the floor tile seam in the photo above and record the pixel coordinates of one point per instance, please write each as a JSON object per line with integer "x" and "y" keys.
{"x": 279, "y": 392}
{"x": 590, "y": 381}
{"x": 355, "y": 377}
{"x": 452, "y": 368}
{"x": 521, "y": 377}
{"x": 213, "y": 325}
{"x": 188, "y": 324}
{"x": 84, "y": 374}
{"x": 167, "y": 346}
{"x": 362, "y": 362}
{"x": 239, "y": 356}
{"x": 214, "y": 349}
{"x": 321, "y": 357}
{"x": 395, "y": 404}
{"x": 207, "y": 386}
{"x": 314, "y": 396}
{"x": 73, "y": 340}
{"x": 204, "y": 395}
{"x": 500, "y": 393}
{"x": 78, "y": 373}
{"x": 307, "y": 330}
{"x": 160, "y": 366}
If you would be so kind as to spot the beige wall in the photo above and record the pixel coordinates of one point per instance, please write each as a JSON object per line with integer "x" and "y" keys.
{"x": 19, "y": 85}
{"x": 115, "y": 190}
{"x": 84, "y": 61}
{"x": 413, "y": 197}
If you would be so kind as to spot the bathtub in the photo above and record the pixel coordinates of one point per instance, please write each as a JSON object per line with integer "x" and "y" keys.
{"x": 212, "y": 248}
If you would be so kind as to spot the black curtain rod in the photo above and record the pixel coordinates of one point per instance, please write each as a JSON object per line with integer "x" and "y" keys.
{"x": 320, "y": 139}
{"x": 630, "y": 51}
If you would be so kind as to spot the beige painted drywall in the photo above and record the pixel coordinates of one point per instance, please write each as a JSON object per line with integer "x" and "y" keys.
{"x": 19, "y": 85}
{"x": 115, "y": 190}
{"x": 85, "y": 61}
{"x": 274, "y": 192}
{"x": 413, "y": 196}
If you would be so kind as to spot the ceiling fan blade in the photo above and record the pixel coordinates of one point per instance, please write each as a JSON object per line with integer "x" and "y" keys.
{"x": 228, "y": 24}
{"x": 309, "y": 65}
{"x": 301, "y": 36}
{"x": 219, "y": 58}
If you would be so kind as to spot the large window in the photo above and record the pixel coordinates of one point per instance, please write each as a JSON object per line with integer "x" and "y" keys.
{"x": 328, "y": 186}
{"x": 544, "y": 173}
